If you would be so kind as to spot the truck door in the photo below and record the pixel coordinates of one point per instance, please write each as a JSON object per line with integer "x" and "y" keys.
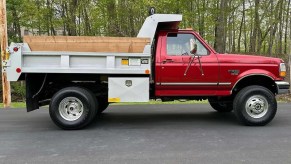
{"x": 172, "y": 79}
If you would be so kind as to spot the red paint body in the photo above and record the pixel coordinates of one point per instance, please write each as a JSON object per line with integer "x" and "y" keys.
{"x": 217, "y": 80}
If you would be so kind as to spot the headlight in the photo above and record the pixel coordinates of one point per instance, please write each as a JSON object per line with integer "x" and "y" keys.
{"x": 282, "y": 70}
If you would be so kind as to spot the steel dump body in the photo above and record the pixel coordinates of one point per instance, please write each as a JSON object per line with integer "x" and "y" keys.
{"x": 74, "y": 62}
{"x": 80, "y": 62}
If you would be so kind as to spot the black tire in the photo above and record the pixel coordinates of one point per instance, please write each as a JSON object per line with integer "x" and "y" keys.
{"x": 220, "y": 105}
{"x": 79, "y": 98}
{"x": 255, "y": 106}
{"x": 103, "y": 104}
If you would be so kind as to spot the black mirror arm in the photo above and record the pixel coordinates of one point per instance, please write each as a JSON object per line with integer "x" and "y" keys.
{"x": 201, "y": 69}
{"x": 189, "y": 64}
{"x": 191, "y": 61}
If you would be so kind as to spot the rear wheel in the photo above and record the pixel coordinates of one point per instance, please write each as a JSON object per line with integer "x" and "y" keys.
{"x": 220, "y": 104}
{"x": 255, "y": 105}
{"x": 73, "y": 108}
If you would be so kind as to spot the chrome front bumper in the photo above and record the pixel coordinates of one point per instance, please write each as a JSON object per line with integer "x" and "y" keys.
{"x": 282, "y": 87}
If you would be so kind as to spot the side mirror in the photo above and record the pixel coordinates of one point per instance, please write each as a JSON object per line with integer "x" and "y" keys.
{"x": 193, "y": 46}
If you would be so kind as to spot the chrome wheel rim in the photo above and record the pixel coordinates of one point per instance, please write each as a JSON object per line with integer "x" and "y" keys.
{"x": 71, "y": 108}
{"x": 257, "y": 106}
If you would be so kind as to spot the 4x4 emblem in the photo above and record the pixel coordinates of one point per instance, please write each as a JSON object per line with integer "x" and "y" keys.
{"x": 233, "y": 72}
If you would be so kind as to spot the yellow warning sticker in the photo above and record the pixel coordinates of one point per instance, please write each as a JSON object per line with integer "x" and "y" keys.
{"x": 124, "y": 61}
{"x": 115, "y": 99}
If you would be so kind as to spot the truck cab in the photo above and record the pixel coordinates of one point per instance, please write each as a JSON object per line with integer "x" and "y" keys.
{"x": 181, "y": 73}
{"x": 178, "y": 72}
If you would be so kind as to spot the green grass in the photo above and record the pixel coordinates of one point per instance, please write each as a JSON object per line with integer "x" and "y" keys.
{"x": 15, "y": 105}
{"x": 152, "y": 102}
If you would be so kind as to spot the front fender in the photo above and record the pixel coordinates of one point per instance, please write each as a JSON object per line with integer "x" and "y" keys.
{"x": 253, "y": 72}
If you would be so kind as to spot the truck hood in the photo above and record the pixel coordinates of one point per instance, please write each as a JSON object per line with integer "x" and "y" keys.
{"x": 248, "y": 59}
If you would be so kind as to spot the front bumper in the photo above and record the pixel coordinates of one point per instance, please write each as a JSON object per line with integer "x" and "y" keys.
{"x": 282, "y": 87}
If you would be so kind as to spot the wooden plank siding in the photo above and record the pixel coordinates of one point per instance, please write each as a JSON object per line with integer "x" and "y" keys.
{"x": 86, "y": 44}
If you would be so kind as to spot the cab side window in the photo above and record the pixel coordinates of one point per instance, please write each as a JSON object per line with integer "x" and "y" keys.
{"x": 179, "y": 44}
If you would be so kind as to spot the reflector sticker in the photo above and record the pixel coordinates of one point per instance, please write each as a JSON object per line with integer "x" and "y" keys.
{"x": 147, "y": 71}
{"x": 115, "y": 99}
{"x": 124, "y": 61}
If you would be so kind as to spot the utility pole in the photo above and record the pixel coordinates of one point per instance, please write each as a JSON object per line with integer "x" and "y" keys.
{"x": 4, "y": 42}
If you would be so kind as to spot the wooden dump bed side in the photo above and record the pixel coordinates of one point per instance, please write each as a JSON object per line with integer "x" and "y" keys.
{"x": 86, "y": 44}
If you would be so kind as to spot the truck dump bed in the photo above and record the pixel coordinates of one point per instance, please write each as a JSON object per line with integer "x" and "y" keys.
{"x": 75, "y": 55}
{"x": 86, "y": 44}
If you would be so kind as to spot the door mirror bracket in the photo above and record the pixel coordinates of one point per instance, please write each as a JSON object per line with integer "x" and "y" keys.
{"x": 193, "y": 48}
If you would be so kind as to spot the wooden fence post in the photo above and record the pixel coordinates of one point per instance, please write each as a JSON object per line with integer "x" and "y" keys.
{"x": 4, "y": 42}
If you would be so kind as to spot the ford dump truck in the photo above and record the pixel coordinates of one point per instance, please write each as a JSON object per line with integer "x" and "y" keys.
{"x": 78, "y": 78}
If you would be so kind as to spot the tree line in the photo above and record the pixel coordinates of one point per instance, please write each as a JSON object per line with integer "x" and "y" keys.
{"x": 241, "y": 26}
{"x": 231, "y": 26}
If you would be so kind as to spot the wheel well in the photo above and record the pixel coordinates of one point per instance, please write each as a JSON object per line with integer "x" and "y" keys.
{"x": 40, "y": 88}
{"x": 260, "y": 80}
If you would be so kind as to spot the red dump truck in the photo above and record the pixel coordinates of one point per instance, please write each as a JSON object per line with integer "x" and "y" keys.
{"x": 79, "y": 76}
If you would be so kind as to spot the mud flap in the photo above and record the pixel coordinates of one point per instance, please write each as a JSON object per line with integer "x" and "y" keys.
{"x": 33, "y": 84}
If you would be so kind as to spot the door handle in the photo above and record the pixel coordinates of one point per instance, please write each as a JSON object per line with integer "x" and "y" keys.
{"x": 168, "y": 61}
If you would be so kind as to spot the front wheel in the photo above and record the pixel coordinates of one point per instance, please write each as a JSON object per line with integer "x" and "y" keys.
{"x": 255, "y": 106}
{"x": 73, "y": 108}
